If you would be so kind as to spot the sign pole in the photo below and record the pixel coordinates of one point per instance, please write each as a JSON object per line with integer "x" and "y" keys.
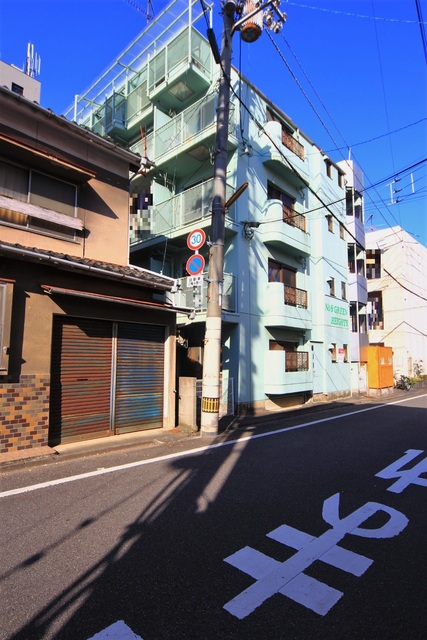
{"x": 212, "y": 344}
{"x": 250, "y": 25}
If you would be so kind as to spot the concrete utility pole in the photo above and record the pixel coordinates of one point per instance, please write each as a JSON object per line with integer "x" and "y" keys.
{"x": 250, "y": 26}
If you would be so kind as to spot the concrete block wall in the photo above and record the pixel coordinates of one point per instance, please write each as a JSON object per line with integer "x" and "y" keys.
{"x": 24, "y": 413}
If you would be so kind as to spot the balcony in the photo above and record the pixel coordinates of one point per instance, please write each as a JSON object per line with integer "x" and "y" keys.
{"x": 282, "y": 226}
{"x": 286, "y": 307}
{"x": 283, "y": 152}
{"x": 179, "y": 71}
{"x": 196, "y": 297}
{"x": 191, "y": 134}
{"x": 176, "y": 216}
{"x": 296, "y": 297}
{"x": 287, "y": 372}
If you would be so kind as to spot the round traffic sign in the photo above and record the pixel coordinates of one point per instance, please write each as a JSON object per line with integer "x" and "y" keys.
{"x": 196, "y": 239}
{"x": 195, "y": 264}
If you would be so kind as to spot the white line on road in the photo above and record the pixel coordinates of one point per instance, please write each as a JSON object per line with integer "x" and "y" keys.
{"x": 190, "y": 452}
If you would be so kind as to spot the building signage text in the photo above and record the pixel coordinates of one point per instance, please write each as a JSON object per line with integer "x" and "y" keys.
{"x": 340, "y": 315}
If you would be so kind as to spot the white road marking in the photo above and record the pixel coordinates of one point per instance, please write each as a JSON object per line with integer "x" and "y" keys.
{"x": 288, "y": 578}
{"x": 117, "y": 631}
{"x": 407, "y": 476}
{"x": 191, "y": 452}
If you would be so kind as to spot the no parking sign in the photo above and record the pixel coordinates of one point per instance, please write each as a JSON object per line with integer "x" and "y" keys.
{"x": 195, "y": 264}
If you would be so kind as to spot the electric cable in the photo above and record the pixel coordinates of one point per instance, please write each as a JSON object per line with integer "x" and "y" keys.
{"x": 323, "y": 124}
{"x": 353, "y": 15}
{"x": 422, "y": 30}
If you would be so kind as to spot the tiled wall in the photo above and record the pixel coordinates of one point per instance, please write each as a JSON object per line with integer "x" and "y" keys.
{"x": 24, "y": 413}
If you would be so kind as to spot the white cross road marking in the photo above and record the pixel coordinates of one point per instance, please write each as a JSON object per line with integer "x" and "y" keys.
{"x": 117, "y": 631}
{"x": 288, "y": 579}
{"x": 407, "y": 476}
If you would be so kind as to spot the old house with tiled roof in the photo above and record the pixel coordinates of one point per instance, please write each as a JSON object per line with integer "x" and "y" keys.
{"x": 87, "y": 342}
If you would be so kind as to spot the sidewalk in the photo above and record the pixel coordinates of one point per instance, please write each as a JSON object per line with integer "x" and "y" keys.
{"x": 157, "y": 437}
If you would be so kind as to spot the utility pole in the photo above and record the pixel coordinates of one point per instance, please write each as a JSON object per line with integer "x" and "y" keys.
{"x": 250, "y": 26}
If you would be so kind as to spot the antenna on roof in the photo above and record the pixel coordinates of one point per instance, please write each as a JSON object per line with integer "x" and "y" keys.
{"x": 33, "y": 62}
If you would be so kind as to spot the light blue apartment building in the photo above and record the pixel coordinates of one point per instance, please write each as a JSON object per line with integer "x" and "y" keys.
{"x": 286, "y": 326}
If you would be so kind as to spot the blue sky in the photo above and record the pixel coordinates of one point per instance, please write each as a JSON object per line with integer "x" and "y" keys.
{"x": 350, "y": 73}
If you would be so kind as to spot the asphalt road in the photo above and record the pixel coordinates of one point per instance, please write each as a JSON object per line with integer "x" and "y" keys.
{"x": 308, "y": 528}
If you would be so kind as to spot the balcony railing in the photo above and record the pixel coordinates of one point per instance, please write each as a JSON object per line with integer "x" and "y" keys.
{"x": 290, "y": 216}
{"x": 184, "y": 127}
{"x": 177, "y": 53}
{"x": 172, "y": 215}
{"x": 296, "y": 297}
{"x": 293, "y": 145}
{"x": 297, "y": 361}
{"x": 196, "y": 297}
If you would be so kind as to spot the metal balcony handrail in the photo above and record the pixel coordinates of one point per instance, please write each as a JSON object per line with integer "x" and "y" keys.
{"x": 296, "y": 361}
{"x": 296, "y": 297}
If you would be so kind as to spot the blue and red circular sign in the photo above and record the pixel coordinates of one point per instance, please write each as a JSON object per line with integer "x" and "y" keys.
{"x": 196, "y": 239}
{"x": 195, "y": 264}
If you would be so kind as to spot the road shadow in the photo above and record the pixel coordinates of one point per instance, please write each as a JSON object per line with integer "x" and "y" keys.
{"x": 171, "y": 532}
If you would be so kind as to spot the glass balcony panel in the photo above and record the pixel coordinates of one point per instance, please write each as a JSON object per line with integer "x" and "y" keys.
{"x": 170, "y": 216}
{"x": 196, "y": 297}
{"x": 169, "y": 136}
{"x": 177, "y": 51}
{"x": 157, "y": 69}
{"x": 137, "y": 101}
{"x": 196, "y": 202}
{"x": 200, "y": 51}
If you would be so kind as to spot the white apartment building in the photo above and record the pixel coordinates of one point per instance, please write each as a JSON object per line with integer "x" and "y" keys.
{"x": 286, "y": 323}
{"x": 396, "y": 267}
{"x": 357, "y": 287}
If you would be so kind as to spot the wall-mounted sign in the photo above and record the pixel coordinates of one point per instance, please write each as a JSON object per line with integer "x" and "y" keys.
{"x": 194, "y": 281}
{"x": 338, "y": 314}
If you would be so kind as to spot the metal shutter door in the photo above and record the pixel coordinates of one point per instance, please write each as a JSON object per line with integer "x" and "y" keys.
{"x": 80, "y": 380}
{"x": 140, "y": 377}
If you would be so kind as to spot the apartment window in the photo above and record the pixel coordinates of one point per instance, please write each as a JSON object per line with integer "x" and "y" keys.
{"x": 333, "y": 350}
{"x": 328, "y": 166}
{"x": 330, "y": 221}
{"x": 351, "y": 258}
{"x": 278, "y": 272}
{"x": 373, "y": 264}
{"x": 340, "y": 179}
{"x": 290, "y": 216}
{"x": 288, "y": 139}
{"x": 41, "y": 190}
{"x": 342, "y": 231}
{"x": 343, "y": 290}
{"x": 361, "y": 317}
{"x": 375, "y": 311}
{"x": 6, "y": 292}
{"x": 331, "y": 284}
{"x": 353, "y": 317}
{"x": 345, "y": 348}
{"x": 294, "y": 360}
{"x": 294, "y": 297}
{"x": 16, "y": 88}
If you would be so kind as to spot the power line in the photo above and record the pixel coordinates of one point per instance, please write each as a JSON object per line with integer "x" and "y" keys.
{"x": 383, "y": 135}
{"x": 422, "y": 30}
{"x": 323, "y": 124}
{"x": 403, "y": 286}
{"x": 355, "y": 15}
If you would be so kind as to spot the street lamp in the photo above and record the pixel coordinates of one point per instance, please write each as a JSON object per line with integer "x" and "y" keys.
{"x": 254, "y": 14}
